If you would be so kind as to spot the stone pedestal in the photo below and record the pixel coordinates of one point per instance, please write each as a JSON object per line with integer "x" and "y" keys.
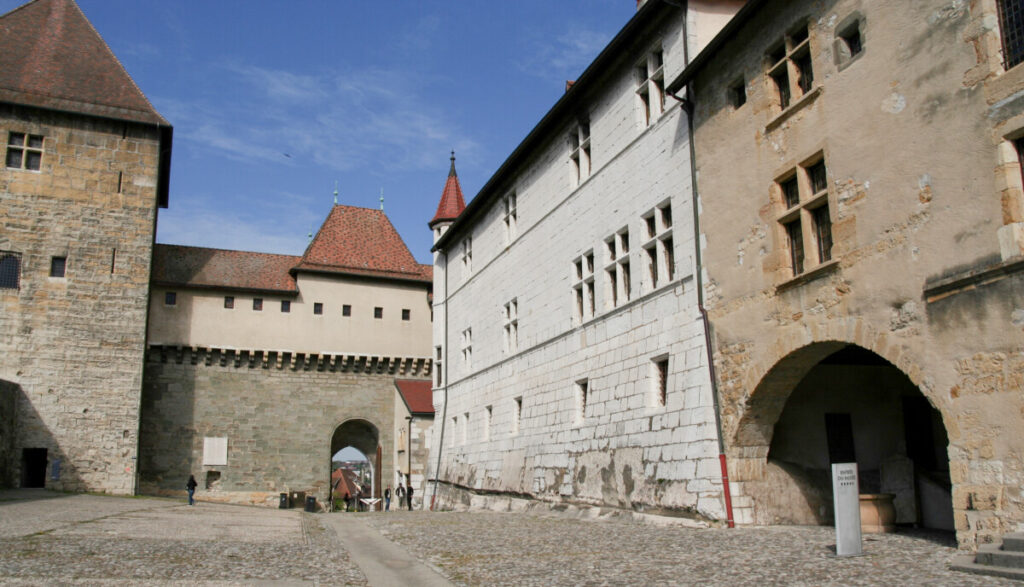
{"x": 877, "y": 513}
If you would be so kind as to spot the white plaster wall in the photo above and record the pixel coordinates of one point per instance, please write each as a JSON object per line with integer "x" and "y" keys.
{"x": 627, "y": 450}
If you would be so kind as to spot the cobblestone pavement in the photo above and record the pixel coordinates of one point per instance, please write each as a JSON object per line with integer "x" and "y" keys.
{"x": 528, "y": 548}
{"x": 48, "y": 538}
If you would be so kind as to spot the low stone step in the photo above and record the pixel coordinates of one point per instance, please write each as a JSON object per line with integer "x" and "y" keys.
{"x": 1014, "y": 542}
{"x": 965, "y": 563}
{"x": 991, "y": 554}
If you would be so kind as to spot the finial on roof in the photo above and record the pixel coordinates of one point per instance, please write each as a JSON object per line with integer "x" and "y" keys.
{"x": 381, "y": 199}
{"x": 310, "y": 235}
{"x": 335, "y": 192}
{"x": 451, "y": 172}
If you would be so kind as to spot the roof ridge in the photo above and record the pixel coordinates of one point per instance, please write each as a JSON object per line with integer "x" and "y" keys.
{"x": 226, "y": 250}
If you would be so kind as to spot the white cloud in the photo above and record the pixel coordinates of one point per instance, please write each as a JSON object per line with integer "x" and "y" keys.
{"x": 563, "y": 56}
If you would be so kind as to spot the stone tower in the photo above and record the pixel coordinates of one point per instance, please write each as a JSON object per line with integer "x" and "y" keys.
{"x": 86, "y": 167}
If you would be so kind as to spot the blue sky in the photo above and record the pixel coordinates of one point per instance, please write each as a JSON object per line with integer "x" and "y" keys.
{"x": 273, "y": 102}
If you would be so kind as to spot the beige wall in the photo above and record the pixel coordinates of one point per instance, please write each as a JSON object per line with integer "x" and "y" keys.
{"x": 200, "y": 319}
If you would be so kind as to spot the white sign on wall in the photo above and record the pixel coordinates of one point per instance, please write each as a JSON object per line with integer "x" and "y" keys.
{"x": 215, "y": 450}
{"x": 846, "y": 501}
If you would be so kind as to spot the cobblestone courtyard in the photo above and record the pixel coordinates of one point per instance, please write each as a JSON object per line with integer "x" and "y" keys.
{"x": 48, "y": 538}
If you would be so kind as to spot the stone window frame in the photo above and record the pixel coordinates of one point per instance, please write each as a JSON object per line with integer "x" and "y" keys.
{"x": 580, "y": 160}
{"x": 660, "y": 374}
{"x": 583, "y": 294}
{"x": 787, "y": 64}
{"x": 650, "y": 86}
{"x": 466, "y": 348}
{"x": 1010, "y": 182}
{"x": 229, "y": 302}
{"x": 286, "y": 306}
{"x": 170, "y": 298}
{"x": 850, "y": 36}
{"x": 800, "y": 217}
{"x": 658, "y": 247}
{"x": 510, "y": 216}
{"x": 59, "y": 266}
{"x": 582, "y": 392}
{"x": 27, "y": 148}
{"x": 510, "y": 313}
{"x": 617, "y": 269}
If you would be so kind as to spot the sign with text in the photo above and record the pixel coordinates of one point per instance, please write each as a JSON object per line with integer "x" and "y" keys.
{"x": 846, "y": 501}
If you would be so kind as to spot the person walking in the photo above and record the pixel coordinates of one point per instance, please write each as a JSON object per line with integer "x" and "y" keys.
{"x": 191, "y": 486}
{"x": 408, "y": 496}
{"x": 387, "y": 498}
{"x": 400, "y": 493}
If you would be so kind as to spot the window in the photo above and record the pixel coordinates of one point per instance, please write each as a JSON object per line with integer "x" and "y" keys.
{"x": 659, "y": 250}
{"x": 58, "y": 265}
{"x": 170, "y": 298}
{"x": 510, "y": 217}
{"x": 582, "y": 391}
{"x": 660, "y": 367}
{"x": 488, "y": 415}
{"x": 378, "y": 313}
{"x": 806, "y": 218}
{"x": 346, "y": 310}
{"x": 257, "y": 304}
{"x": 789, "y": 67}
{"x": 465, "y": 427}
{"x": 583, "y": 287}
{"x": 738, "y": 93}
{"x": 579, "y": 155}
{"x": 437, "y": 365}
{"x": 511, "y": 326}
{"x": 406, "y": 314}
{"x": 467, "y": 348}
{"x": 10, "y": 270}
{"x": 286, "y": 306}
{"x": 24, "y": 151}
{"x": 318, "y": 308}
{"x": 517, "y": 414}
{"x": 1011, "y": 29}
{"x": 229, "y": 302}
{"x": 849, "y": 41}
{"x": 650, "y": 91}
{"x": 467, "y": 254}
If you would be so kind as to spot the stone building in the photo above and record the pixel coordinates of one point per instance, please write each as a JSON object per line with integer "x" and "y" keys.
{"x": 261, "y": 367}
{"x": 86, "y": 166}
{"x": 414, "y": 417}
{"x": 569, "y": 352}
{"x": 861, "y": 204}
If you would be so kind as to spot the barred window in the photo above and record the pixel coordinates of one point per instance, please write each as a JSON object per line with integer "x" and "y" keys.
{"x": 1011, "y": 25}
{"x": 10, "y": 270}
{"x": 24, "y": 151}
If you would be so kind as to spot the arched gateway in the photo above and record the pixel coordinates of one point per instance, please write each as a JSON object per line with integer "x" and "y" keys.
{"x": 364, "y": 437}
{"x": 837, "y": 402}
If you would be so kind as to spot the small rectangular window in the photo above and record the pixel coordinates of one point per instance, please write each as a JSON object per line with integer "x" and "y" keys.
{"x": 661, "y": 379}
{"x": 406, "y": 314}
{"x": 24, "y": 151}
{"x": 796, "y": 246}
{"x": 318, "y": 308}
{"x": 852, "y": 39}
{"x": 346, "y": 310}
{"x": 1011, "y": 30}
{"x": 582, "y": 393}
{"x": 823, "y": 233}
{"x": 229, "y": 302}
{"x": 378, "y": 313}
{"x": 790, "y": 192}
{"x": 517, "y": 415}
{"x": 57, "y": 266}
{"x": 257, "y": 304}
{"x": 738, "y": 93}
{"x": 286, "y": 306}
{"x": 170, "y": 298}
{"x": 818, "y": 177}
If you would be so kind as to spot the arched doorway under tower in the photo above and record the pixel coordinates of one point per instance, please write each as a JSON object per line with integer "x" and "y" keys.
{"x": 365, "y": 438}
{"x": 836, "y": 402}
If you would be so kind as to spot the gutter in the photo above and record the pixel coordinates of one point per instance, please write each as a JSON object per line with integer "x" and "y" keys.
{"x": 687, "y": 105}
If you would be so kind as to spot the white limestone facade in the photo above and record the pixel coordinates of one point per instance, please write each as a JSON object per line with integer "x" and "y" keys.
{"x": 570, "y": 359}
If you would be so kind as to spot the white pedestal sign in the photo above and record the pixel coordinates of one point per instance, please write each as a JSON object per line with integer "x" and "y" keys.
{"x": 846, "y": 500}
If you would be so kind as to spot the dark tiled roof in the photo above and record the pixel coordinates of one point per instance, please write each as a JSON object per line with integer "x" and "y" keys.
{"x": 417, "y": 395}
{"x": 200, "y": 267}
{"x": 452, "y": 203}
{"x": 52, "y": 57}
{"x": 361, "y": 241}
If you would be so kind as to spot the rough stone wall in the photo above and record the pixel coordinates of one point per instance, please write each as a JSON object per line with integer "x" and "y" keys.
{"x": 74, "y": 345}
{"x": 921, "y": 188}
{"x": 278, "y": 421}
{"x": 623, "y": 448}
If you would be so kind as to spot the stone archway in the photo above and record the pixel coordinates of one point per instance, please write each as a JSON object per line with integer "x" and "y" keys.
{"x": 363, "y": 436}
{"x": 834, "y": 401}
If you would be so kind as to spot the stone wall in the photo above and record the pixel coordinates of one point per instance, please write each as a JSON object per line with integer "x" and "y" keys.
{"x": 278, "y": 420}
{"x": 74, "y": 344}
{"x": 8, "y": 402}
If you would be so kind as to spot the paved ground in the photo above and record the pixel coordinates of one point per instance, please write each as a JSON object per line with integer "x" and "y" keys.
{"x": 48, "y": 538}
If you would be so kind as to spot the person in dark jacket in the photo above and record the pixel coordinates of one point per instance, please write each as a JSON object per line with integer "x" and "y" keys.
{"x": 387, "y": 499}
{"x": 191, "y": 486}
{"x": 408, "y": 495}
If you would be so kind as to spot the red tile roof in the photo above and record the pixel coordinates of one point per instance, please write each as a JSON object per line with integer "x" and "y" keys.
{"x": 52, "y": 57}
{"x": 452, "y": 203}
{"x": 343, "y": 481}
{"x": 417, "y": 395}
{"x": 175, "y": 265}
{"x": 361, "y": 241}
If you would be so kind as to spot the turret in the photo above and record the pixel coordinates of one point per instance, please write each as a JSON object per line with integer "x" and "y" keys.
{"x": 451, "y": 205}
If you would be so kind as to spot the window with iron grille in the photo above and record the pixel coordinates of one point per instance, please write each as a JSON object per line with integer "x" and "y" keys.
{"x": 1011, "y": 29}
{"x": 806, "y": 220}
{"x": 10, "y": 270}
{"x": 24, "y": 151}
{"x": 790, "y": 67}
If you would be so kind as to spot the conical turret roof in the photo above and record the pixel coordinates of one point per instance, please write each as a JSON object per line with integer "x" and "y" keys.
{"x": 452, "y": 203}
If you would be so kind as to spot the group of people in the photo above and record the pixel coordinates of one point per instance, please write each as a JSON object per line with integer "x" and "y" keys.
{"x": 404, "y": 496}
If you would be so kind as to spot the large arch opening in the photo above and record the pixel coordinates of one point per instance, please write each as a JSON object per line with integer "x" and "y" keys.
{"x": 834, "y": 402}
{"x": 364, "y": 438}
